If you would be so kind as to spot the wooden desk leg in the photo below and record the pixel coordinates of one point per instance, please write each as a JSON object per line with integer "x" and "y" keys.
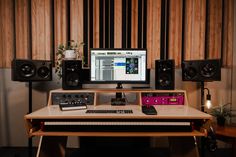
{"x": 50, "y": 146}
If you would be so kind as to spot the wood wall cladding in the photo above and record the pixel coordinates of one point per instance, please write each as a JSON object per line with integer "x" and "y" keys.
{"x": 228, "y": 32}
{"x": 134, "y": 24}
{"x": 42, "y": 30}
{"x": 76, "y": 20}
{"x": 96, "y": 15}
{"x": 118, "y": 24}
{"x": 153, "y": 31}
{"x": 214, "y": 34}
{"x": 195, "y": 24}
{"x": 197, "y": 29}
{"x": 175, "y": 31}
{"x": 61, "y": 22}
{"x": 7, "y": 41}
{"x": 22, "y": 27}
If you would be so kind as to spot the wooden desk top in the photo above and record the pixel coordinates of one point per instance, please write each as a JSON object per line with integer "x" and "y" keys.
{"x": 164, "y": 112}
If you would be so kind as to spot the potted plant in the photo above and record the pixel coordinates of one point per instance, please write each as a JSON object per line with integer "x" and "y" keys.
{"x": 221, "y": 112}
{"x": 70, "y": 50}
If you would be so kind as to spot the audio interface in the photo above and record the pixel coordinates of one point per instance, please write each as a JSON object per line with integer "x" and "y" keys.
{"x": 72, "y": 98}
{"x": 166, "y": 98}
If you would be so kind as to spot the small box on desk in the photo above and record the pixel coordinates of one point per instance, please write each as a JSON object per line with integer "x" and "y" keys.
{"x": 72, "y": 106}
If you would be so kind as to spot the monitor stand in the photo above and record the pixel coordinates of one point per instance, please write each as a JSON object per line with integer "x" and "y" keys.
{"x": 118, "y": 100}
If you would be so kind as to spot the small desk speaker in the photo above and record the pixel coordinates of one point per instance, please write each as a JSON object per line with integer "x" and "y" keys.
{"x": 165, "y": 74}
{"x": 73, "y": 75}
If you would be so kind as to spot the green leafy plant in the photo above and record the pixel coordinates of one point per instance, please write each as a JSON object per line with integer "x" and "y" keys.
{"x": 60, "y": 54}
{"x": 221, "y": 112}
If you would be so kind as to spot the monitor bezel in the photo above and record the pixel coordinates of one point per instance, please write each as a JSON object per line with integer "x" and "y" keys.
{"x": 147, "y": 74}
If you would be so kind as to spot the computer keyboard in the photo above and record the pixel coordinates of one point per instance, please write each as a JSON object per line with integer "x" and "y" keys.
{"x": 111, "y": 111}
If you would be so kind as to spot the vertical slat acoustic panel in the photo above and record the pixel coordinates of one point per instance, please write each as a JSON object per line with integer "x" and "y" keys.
{"x": 194, "y": 39}
{"x": 96, "y": 15}
{"x": 228, "y": 32}
{"x": 134, "y": 24}
{"x": 175, "y": 31}
{"x": 88, "y": 28}
{"x": 22, "y": 26}
{"x": 118, "y": 23}
{"x": 126, "y": 23}
{"x": 41, "y": 29}
{"x": 215, "y": 29}
{"x": 77, "y": 21}
{"x": 153, "y": 31}
{"x": 142, "y": 23}
{"x": 7, "y": 45}
{"x": 60, "y": 22}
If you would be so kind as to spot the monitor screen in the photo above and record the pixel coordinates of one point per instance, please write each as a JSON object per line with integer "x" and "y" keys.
{"x": 118, "y": 65}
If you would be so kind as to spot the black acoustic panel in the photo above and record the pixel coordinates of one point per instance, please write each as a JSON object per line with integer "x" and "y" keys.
{"x": 73, "y": 75}
{"x": 165, "y": 74}
{"x": 31, "y": 70}
{"x": 201, "y": 70}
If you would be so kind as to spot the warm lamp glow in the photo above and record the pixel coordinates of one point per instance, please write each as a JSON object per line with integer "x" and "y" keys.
{"x": 208, "y": 101}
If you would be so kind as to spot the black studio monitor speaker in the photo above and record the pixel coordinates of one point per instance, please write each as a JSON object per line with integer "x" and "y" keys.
{"x": 165, "y": 74}
{"x": 31, "y": 70}
{"x": 201, "y": 70}
{"x": 73, "y": 75}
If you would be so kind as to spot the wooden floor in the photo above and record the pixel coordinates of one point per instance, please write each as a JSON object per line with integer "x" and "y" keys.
{"x": 23, "y": 152}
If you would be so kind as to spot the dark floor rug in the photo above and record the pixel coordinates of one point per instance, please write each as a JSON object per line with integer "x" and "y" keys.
{"x": 110, "y": 152}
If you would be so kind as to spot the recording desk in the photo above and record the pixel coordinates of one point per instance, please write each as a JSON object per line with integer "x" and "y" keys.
{"x": 55, "y": 125}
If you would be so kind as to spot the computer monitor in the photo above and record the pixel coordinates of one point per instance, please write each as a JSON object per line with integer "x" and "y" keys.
{"x": 118, "y": 66}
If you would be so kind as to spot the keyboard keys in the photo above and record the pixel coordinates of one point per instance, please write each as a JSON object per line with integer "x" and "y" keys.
{"x": 111, "y": 111}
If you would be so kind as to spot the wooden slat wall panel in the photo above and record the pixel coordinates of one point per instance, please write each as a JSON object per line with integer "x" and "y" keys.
{"x": 22, "y": 25}
{"x": 215, "y": 29}
{"x": 60, "y": 22}
{"x": 194, "y": 39}
{"x": 175, "y": 31}
{"x": 134, "y": 24}
{"x": 96, "y": 16}
{"x": 2, "y": 21}
{"x": 228, "y": 33}
{"x": 7, "y": 46}
{"x": 41, "y": 29}
{"x": 76, "y": 21}
{"x": 118, "y": 24}
{"x": 153, "y": 31}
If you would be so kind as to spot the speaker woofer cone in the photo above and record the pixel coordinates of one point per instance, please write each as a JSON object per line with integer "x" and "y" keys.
{"x": 208, "y": 70}
{"x": 72, "y": 80}
{"x": 190, "y": 73}
{"x": 44, "y": 72}
{"x": 27, "y": 70}
{"x": 165, "y": 81}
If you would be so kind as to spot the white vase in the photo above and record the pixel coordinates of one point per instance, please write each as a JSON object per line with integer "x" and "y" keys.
{"x": 70, "y": 54}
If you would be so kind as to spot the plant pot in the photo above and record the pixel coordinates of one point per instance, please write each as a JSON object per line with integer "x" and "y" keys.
{"x": 221, "y": 121}
{"x": 70, "y": 54}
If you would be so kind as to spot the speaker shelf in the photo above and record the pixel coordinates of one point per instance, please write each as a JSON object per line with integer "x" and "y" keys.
{"x": 201, "y": 70}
